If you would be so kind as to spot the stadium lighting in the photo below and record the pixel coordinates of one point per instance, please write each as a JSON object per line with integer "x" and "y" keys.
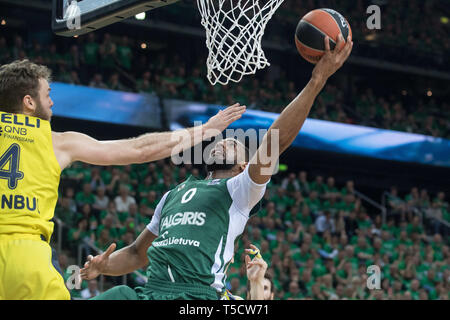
{"x": 371, "y": 37}
{"x": 140, "y": 16}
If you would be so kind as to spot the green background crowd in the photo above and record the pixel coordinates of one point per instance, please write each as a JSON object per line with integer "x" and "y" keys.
{"x": 316, "y": 235}
{"x": 412, "y": 33}
{"x": 314, "y": 232}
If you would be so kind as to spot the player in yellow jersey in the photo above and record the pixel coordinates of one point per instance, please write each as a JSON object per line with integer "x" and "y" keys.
{"x": 31, "y": 160}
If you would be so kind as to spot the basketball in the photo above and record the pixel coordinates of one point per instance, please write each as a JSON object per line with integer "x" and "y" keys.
{"x": 312, "y": 29}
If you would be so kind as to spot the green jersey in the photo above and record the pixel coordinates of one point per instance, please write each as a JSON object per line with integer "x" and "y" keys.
{"x": 197, "y": 224}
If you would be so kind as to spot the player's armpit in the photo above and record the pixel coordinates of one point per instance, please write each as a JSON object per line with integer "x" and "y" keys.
{"x": 245, "y": 192}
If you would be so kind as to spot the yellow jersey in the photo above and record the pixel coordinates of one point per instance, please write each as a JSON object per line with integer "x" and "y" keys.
{"x": 29, "y": 175}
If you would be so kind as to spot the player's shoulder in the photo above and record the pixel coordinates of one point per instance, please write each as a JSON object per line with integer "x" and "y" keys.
{"x": 68, "y": 134}
{"x": 61, "y": 137}
{"x": 58, "y": 139}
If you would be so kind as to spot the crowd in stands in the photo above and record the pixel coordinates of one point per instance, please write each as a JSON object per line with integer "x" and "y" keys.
{"x": 119, "y": 63}
{"x": 108, "y": 62}
{"x": 410, "y": 30}
{"x": 316, "y": 235}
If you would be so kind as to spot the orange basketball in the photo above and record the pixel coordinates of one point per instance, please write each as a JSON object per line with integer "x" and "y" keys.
{"x": 312, "y": 29}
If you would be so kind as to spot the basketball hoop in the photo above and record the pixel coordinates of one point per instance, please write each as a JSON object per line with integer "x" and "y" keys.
{"x": 234, "y": 30}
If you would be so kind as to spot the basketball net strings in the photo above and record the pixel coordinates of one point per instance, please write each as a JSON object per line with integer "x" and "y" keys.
{"x": 234, "y": 31}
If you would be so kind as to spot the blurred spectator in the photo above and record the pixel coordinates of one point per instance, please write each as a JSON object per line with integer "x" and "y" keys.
{"x": 330, "y": 189}
{"x": 91, "y": 291}
{"x": 74, "y": 78}
{"x": 73, "y": 58}
{"x": 96, "y": 179}
{"x": 65, "y": 213}
{"x": 303, "y": 182}
{"x": 115, "y": 84}
{"x": 107, "y": 53}
{"x": 110, "y": 228}
{"x": 5, "y": 54}
{"x": 101, "y": 200}
{"x": 290, "y": 184}
{"x": 124, "y": 200}
{"x": 97, "y": 82}
{"x": 124, "y": 53}
{"x": 85, "y": 196}
{"x": 17, "y": 47}
{"x": 294, "y": 291}
{"x": 351, "y": 225}
{"x": 91, "y": 50}
{"x": 145, "y": 84}
{"x": 69, "y": 194}
{"x": 325, "y": 223}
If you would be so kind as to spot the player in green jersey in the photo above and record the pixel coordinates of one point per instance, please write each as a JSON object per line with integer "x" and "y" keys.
{"x": 190, "y": 240}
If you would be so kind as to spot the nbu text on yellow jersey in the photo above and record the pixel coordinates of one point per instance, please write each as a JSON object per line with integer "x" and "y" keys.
{"x": 29, "y": 175}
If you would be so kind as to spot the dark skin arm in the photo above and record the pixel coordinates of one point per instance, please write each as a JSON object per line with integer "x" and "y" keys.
{"x": 286, "y": 127}
{"x": 120, "y": 262}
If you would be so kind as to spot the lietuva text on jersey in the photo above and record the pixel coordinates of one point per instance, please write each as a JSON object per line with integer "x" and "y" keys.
{"x": 29, "y": 175}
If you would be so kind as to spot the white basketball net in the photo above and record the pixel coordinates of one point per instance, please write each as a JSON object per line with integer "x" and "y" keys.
{"x": 234, "y": 30}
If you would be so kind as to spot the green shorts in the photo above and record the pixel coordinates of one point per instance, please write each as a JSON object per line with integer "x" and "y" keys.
{"x": 160, "y": 290}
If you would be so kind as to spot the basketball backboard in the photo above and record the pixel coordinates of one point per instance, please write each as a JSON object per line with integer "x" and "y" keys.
{"x": 76, "y": 17}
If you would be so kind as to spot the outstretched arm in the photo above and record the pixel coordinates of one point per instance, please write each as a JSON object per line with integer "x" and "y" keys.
{"x": 286, "y": 127}
{"x": 74, "y": 146}
{"x": 120, "y": 262}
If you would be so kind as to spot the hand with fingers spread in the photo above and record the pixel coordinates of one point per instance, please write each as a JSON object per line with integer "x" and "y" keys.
{"x": 331, "y": 61}
{"x": 256, "y": 268}
{"x": 225, "y": 117}
{"x": 97, "y": 265}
